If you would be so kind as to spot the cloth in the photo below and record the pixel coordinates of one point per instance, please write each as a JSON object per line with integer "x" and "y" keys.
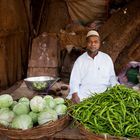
{"x": 86, "y": 11}
{"x": 92, "y": 75}
{"x": 122, "y": 77}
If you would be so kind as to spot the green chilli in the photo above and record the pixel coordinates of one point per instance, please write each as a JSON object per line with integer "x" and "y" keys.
{"x": 115, "y": 111}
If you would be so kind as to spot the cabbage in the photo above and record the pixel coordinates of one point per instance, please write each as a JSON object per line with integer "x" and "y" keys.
{"x": 59, "y": 100}
{"x": 48, "y": 97}
{"x": 13, "y": 104}
{"x": 34, "y": 116}
{"x": 23, "y": 122}
{"x": 39, "y": 85}
{"x": 61, "y": 109}
{"x": 21, "y": 108}
{"x": 50, "y": 103}
{"x": 6, "y": 116}
{"x": 47, "y": 116}
{"x": 46, "y": 108}
{"x": 37, "y": 104}
{"x": 5, "y": 123}
{"x": 6, "y": 101}
{"x": 24, "y": 100}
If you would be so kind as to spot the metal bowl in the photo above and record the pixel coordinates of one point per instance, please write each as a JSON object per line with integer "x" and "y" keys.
{"x": 40, "y": 83}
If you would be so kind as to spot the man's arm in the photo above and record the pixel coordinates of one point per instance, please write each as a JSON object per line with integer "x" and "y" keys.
{"x": 74, "y": 83}
{"x": 113, "y": 79}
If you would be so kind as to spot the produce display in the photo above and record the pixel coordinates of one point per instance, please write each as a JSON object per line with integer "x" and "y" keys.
{"x": 115, "y": 112}
{"x": 25, "y": 113}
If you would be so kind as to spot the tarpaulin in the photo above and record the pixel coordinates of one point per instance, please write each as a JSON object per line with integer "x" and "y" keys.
{"x": 85, "y": 11}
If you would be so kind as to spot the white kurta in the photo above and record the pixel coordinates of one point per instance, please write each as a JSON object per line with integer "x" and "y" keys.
{"x": 92, "y": 75}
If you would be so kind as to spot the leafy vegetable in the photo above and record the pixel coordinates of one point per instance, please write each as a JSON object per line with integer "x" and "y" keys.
{"x": 61, "y": 109}
{"x": 37, "y": 104}
{"x": 47, "y": 116}
{"x": 6, "y": 116}
{"x": 25, "y": 113}
{"x": 23, "y": 122}
{"x": 24, "y": 100}
{"x": 21, "y": 108}
{"x": 59, "y": 100}
{"x": 13, "y": 104}
{"x": 34, "y": 116}
{"x": 47, "y": 97}
{"x": 6, "y": 101}
{"x": 50, "y": 103}
{"x": 39, "y": 85}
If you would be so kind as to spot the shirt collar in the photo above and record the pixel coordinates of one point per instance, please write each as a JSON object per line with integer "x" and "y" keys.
{"x": 88, "y": 57}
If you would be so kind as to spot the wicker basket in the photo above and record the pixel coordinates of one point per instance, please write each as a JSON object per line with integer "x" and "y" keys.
{"x": 92, "y": 136}
{"x": 38, "y": 131}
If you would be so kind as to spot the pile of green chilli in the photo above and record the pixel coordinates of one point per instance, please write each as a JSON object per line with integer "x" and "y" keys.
{"x": 115, "y": 112}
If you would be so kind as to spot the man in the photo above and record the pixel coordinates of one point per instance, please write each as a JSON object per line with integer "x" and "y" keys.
{"x": 92, "y": 72}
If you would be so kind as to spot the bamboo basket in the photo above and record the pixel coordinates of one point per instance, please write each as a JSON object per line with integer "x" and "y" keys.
{"x": 92, "y": 136}
{"x": 38, "y": 131}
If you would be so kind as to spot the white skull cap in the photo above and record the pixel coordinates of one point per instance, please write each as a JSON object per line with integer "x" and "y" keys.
{"x": 92, "y": 32}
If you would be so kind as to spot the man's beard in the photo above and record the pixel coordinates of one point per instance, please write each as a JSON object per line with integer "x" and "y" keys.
{"x": 95, "y": 51}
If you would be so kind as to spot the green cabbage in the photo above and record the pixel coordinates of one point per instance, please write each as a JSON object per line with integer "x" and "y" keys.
{"x": 34, "y": 116}
{"x": 6, "y": 116}
{"x": 6, "y": 101}
{"x": 47, "y": 116}
{"x": 48, "y": 97}
{"x": 59, "y": 100}
{"x": 50, "y": 103}
{"x": 5, "y": 123}
{"x": 40, "y": 85}
{"x": 21, "y": 108}
{"x": 61, "y": 109}
{"x": 37, "y": 104}
{"x": 23, "y": 122}
{"x": 13, "y": 104}
{"x": 24, "y": 100}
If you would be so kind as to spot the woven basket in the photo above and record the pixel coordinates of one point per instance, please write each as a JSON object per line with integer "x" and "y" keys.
{"x": 92, "y": 136}
{"x": 38, "y": 131}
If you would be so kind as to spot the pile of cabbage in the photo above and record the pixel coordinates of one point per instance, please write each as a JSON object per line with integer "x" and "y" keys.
{"x": 24, "y": 113}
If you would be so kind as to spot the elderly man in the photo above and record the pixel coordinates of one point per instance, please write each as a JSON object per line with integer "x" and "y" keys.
{"x": 92, "y": 72}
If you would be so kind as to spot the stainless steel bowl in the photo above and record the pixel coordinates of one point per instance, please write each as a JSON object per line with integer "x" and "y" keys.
{"x": 40, "y": 83}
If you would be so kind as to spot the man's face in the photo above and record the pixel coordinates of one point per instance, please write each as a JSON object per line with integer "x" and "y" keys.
{"x": 93, "y": 44}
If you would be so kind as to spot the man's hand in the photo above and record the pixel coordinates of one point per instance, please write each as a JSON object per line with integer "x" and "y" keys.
{"x": 75, "y": 98}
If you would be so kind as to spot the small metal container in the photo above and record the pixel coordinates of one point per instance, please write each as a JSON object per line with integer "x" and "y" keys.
{"x": 40, "y": 83}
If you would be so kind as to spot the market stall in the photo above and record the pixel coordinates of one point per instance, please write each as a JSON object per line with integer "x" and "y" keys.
{"x": 69, "y": 132}
{"x": 119, "y": 100}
